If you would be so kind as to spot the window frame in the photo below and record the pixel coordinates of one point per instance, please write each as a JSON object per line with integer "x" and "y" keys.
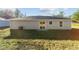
{"x": 50, "y": 22}
{"x": 42, "y": 27}
{"x": 61, "y": 23}
{"x": 42, "y": 22}
{"x": 20, "y": 28}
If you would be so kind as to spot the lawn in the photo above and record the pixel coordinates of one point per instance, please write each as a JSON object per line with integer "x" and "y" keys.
{"x": 75, "y": 25}
{"x": 15, "y": 43}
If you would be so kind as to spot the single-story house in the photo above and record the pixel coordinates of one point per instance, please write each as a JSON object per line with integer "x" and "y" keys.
{"x": 41, "y": 23}
{"x": 4, "y": 22}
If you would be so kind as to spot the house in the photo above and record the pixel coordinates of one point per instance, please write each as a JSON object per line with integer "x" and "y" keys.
{"x": 4, "y": 22}
{"x": 41, "y": 23}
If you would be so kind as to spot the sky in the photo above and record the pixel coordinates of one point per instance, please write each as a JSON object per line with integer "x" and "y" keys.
{"x": 44, "y": 11}
{"x": 47, "y": 11}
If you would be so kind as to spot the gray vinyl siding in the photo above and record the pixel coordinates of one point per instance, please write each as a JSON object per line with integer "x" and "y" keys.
{"x": 35, "y": 24}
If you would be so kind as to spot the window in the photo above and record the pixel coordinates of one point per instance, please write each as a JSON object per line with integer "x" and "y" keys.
{"x": 42, "y": 22}
{"x": 21, "y": 28}
{"x": 61, "y": 23}
{"x": 42, "y": 27}
{"x": 50, "y": 22}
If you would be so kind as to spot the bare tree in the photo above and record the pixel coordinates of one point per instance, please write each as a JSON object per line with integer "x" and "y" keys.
{"x": 18, "y": 13}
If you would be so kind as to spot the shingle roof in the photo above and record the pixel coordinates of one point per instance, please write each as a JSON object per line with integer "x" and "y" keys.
{"x": 40, "y": 17}
{"x": 46, "y": 17}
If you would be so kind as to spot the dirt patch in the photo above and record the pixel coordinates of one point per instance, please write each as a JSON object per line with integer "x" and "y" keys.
{"x": 74, "y": 33}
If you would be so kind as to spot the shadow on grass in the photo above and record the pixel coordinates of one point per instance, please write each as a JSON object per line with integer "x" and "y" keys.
{"x": 13, "y": 37}
{"x": 49, "y": 34}
{"x": 5, "y": 27}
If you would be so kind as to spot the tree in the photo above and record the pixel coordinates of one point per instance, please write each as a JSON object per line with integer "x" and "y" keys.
{"x": 9, "y": 13}
{"x": 18, "y": 13}
{"x": 6, "y": 13}
{"x": 75, "y": 16}
{"x": 60, "y": 14}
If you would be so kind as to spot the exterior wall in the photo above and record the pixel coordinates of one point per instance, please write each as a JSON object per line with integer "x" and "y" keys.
{"x": 34, "y": 24}
{"x": 25, "y": 24}
{"x": 56, "y": 24}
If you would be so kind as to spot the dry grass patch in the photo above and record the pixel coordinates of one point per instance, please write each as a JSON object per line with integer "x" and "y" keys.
{"x": 75, "y": 25}
{"x": 38, "y": 44}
